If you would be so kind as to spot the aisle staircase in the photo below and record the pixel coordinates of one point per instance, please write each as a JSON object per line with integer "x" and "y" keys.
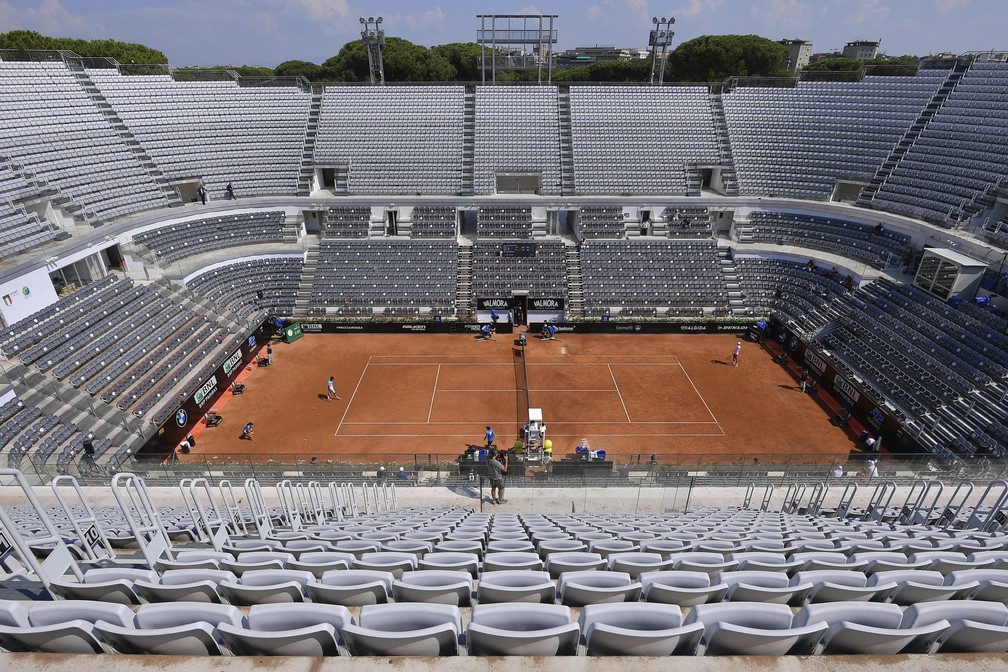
{"x": 308, "y": 156}
{"x": 302, "y": 305}
{"x": 575, "y": 284}
{"x": 463, "y": 292}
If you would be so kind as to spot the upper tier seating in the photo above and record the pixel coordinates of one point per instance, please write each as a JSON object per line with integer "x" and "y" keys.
{"x": 251, "y": 137}
{"x": 55, "y": 130}
{"x": 20, "y": 229}
{"x": 798, "y": 141}
{"x": 517, "y": 131}
{"x": 198, "y": 236}
{"x": 640, "y": 139}
{"x": 961, "y": 153}
{"x": 838, "y": 236}
{"x": 395, "y": 139}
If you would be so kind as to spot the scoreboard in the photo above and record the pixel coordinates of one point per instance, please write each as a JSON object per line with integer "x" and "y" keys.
{"x": 518, "y": 249}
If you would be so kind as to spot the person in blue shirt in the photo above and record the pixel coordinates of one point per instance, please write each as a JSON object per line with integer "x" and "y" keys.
{"x": 490, "y": 436}
{"x": 494, "y": 316}
{"x": 488, "y": 331}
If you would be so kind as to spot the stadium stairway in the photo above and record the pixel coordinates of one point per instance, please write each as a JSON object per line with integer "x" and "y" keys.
{"x": 463, "y": 293}
{"x": 302, "y": 304}
{"x": 566, "y": 144}
{"x": 468, "y": 144}
{"x": 308, "y": 157}
{"x": 575, "y": 288}
{"x": 910, "y": 137}
{"x": 117, "y": 124}
{"x": 736, "y": 299}
{"x": 728, "y": 175}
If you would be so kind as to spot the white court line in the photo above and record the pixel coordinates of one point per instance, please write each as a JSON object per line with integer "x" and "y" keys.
{"x": 618, "y": 392}
{"x": 434, "y": 392}
{"x": 554, "y": 435}
{"x": 483, "y": 389}
{"x": 551, "y": 422}
{"x": 445, "y": 364}
{"x": 350, "y": 401}
{"x": 702, "y": 400}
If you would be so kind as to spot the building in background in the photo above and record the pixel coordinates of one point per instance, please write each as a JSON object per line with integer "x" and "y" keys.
{"x": 862, "y": 50}
{"x": 588, "y": 55}
{"x": 799, "y": 52}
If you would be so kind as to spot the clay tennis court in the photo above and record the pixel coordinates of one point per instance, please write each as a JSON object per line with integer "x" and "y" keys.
{"x": 632, "y": 395}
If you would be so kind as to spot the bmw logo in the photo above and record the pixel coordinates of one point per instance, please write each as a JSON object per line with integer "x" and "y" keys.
{"x": 181, "y": 417}
{"x": 793, "y": 343}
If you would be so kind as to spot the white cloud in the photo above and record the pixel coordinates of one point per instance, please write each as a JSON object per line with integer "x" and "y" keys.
{"x": 637, "y": 8}
{"x": 321, "y": 10}
{"x": 869, "y": 12}
{"x": 786, "y": 13}
{"x": 696, "y": 7}
{"x": 431, "y": 19}
{"x": 50, "y": 18}
{"x": 529, "y": 9}
{"x": 949, "y": 6}
{"x": 596, "y": 14}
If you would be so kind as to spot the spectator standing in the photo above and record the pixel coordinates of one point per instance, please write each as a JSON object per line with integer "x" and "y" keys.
{"x": 201, "y": 192}
{"x": 496, "y": 469}
{"x": 229, "y": 192}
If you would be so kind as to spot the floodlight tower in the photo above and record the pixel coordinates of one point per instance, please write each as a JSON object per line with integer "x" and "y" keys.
{"x": 660, "y": 38}
{"x": 373, "y": 38}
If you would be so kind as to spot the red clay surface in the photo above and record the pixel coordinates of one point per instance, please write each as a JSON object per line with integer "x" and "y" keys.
{"x": 667, "y": 395}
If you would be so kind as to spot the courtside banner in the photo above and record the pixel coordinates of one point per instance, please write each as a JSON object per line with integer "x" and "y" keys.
{"x": 854, "y": 396}
{"x": 201, "y": 400}
{"x": 498, "y": 304}
{"x": 645, "y": 327}
{"x": 399, "y": 327}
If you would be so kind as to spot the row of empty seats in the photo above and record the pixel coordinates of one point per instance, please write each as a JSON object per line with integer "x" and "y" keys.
{"x": 199, "y": 236}
{"x": 959, "y": 155}
{"x": 54, "y": 129}
{"x": 799, "y": 141}
{"x": 640, "y": 139}
{"x": 216, "y": 131}
{"x": 366, "y": 277}
{"x": 262, "y": 285}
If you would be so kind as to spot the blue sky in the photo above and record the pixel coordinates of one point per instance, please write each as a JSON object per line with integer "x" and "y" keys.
{"x": 266, "y": 32}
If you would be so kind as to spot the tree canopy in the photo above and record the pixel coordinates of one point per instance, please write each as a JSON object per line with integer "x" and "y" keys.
{"x": 124, "y": 52}
{"x": 904, "y": 65}
{"x": 403, "y": 60}
{"x": 712, "y": 58}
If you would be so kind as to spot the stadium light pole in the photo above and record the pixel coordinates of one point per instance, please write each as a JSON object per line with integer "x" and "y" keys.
{"x": 373, "y": 37}
{"x": 660, "y": 39}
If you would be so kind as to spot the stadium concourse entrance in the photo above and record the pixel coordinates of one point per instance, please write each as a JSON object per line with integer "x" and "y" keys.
{"x": 518, "y": 183}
